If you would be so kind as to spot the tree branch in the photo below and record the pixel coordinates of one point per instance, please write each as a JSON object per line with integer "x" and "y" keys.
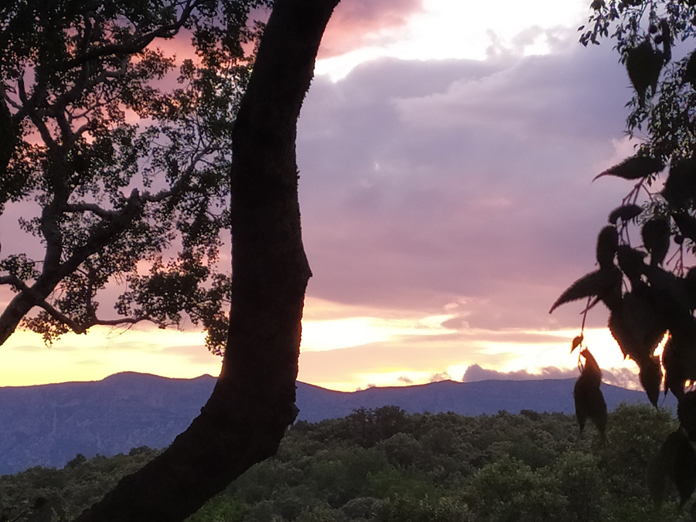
{"x": 119, "y": 322}
{"x": 94, "y": 209}
{"x": 62, "y": 318}
{"x": 14, "y": 281}
{"x": 37, "y": 300}
{"x": 136, "y": 46}
{"x": 29, "y": 108}
{"x": 117, "y": 223}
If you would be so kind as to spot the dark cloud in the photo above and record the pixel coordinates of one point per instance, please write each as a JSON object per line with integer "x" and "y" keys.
{"x": 425, "y": 182}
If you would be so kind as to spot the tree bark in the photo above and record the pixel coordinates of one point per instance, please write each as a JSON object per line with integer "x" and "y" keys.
{"x": 254, "y": 399}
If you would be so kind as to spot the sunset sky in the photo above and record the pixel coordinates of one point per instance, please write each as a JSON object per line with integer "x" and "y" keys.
{"x": 446, "y": 151}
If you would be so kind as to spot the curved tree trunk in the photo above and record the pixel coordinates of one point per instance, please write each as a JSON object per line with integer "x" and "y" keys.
{"x": 254, "y": 399}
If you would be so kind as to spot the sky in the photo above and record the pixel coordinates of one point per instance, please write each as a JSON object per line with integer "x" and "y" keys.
{"x": 446, "y": 151}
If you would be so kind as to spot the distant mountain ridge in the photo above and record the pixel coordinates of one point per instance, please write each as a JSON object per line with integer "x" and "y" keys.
{"x": 48, "y": 425}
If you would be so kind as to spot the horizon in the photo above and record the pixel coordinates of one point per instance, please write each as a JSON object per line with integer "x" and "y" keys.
{"x": 492, "y": 376}
{"x": 446, "y": 155}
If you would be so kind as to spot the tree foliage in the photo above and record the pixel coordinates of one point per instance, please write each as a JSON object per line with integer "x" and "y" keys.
{"x": 127, "y": 177}
{"x": 644, "y": 277}
{"x": 422, "y": 468}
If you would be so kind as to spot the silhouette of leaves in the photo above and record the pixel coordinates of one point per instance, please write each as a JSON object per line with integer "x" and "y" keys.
{"x": 604, "y": 284}
{"x": 690, "y": 287}
{"x": 634, "y": 167}
{"x": 666, "y": 39}
{"x": 577, "y": 341}
{"x": 589, "y": 401}
{"x": 650, "y": 376}
{"x": 686, "y": 224}
{"x": 679, "y": 357}
{"x": 689, "y": 75}
{"x": 686, "y": 413}
{"x": 685, "y": 470}
{"x": 631, "y": 263}
{"x": 644, "y": 64}
{"x": 672, "y": 295}
{"x": 638, "y": 327}
{"x": 680, "y": 186}
{"x": 660, "y": 300}
{"x": 607, "y": 242}
{"x": 663, "y": 465}
{"x": 656, "y": 239}
{"x": 624, "y": 213}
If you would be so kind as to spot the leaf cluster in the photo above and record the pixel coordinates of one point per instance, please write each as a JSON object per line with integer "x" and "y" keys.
{"x": 648, "y": 288}
{"x": 125, "y": 170}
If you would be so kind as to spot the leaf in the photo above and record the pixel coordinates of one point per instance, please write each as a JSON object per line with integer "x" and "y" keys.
{"x": 607, "y": 242}
{"x": 656, "y": 236}
{"x": 679, "y": 357}
{"x": 589, "y": 401}
{"x": 637, "y": 326}
{"x": 577, "y": 341}
{"x": 686, "y": 224}
{"x": 690, "y": 287}
{"x": 651, "y": 378}
{"x": 591, "y": 370}
{"x": 666, "y": 35}
{"x": 680, "y": 186}
{"x": 624, "y": 213}
{"x": 634, "y": 167}
{"x": 631, "y": 262}
{"x": 685, "y": 471}
{"x": 663, "y": 465}
{"x": 690, "y": 69}
{"x": 643, "y": 64}
{"x": 604, "y": 283}
{"x": 686, "y": 413}
{"x": 580, "y": 392}
{"x": 671, "y": 295}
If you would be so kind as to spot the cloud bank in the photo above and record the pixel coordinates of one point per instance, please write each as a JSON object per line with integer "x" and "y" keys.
{"x": 430, "y": 183}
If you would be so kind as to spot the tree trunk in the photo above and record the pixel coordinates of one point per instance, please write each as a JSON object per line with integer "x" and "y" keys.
{"x": 253, "y": 401}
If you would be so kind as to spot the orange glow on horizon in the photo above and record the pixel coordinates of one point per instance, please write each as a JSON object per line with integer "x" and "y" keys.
{"x": 395, "y": 358}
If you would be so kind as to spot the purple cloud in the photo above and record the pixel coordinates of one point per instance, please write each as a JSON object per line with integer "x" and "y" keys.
{"x": 426, "y": 182}
{"x": 622, "y": 377}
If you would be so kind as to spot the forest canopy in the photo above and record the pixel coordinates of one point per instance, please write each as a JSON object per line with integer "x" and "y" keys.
{"x": 383, "y": 465}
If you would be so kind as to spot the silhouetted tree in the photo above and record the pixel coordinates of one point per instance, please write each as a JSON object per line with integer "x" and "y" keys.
{"x": 254, "y": 399}
{"x": 115, "y": 168}
{"x": 645, "y": 282}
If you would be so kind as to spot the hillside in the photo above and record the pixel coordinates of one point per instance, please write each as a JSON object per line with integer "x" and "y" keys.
{"x": 48, "y": 425}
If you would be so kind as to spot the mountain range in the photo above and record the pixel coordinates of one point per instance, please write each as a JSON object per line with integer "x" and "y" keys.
{"x": 48, "y": 425}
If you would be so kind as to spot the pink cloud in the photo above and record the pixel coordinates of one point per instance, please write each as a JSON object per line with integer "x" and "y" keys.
{"x": 354, "y": 23}
{"x": 406, "y": 205}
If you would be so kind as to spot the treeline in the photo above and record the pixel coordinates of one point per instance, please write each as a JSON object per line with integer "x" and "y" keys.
{"x": 383, "y": 465}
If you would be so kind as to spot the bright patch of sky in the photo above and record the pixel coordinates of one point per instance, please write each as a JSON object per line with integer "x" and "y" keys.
{"x": 357, "y": 331}
{"x": 453, "y": 29}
